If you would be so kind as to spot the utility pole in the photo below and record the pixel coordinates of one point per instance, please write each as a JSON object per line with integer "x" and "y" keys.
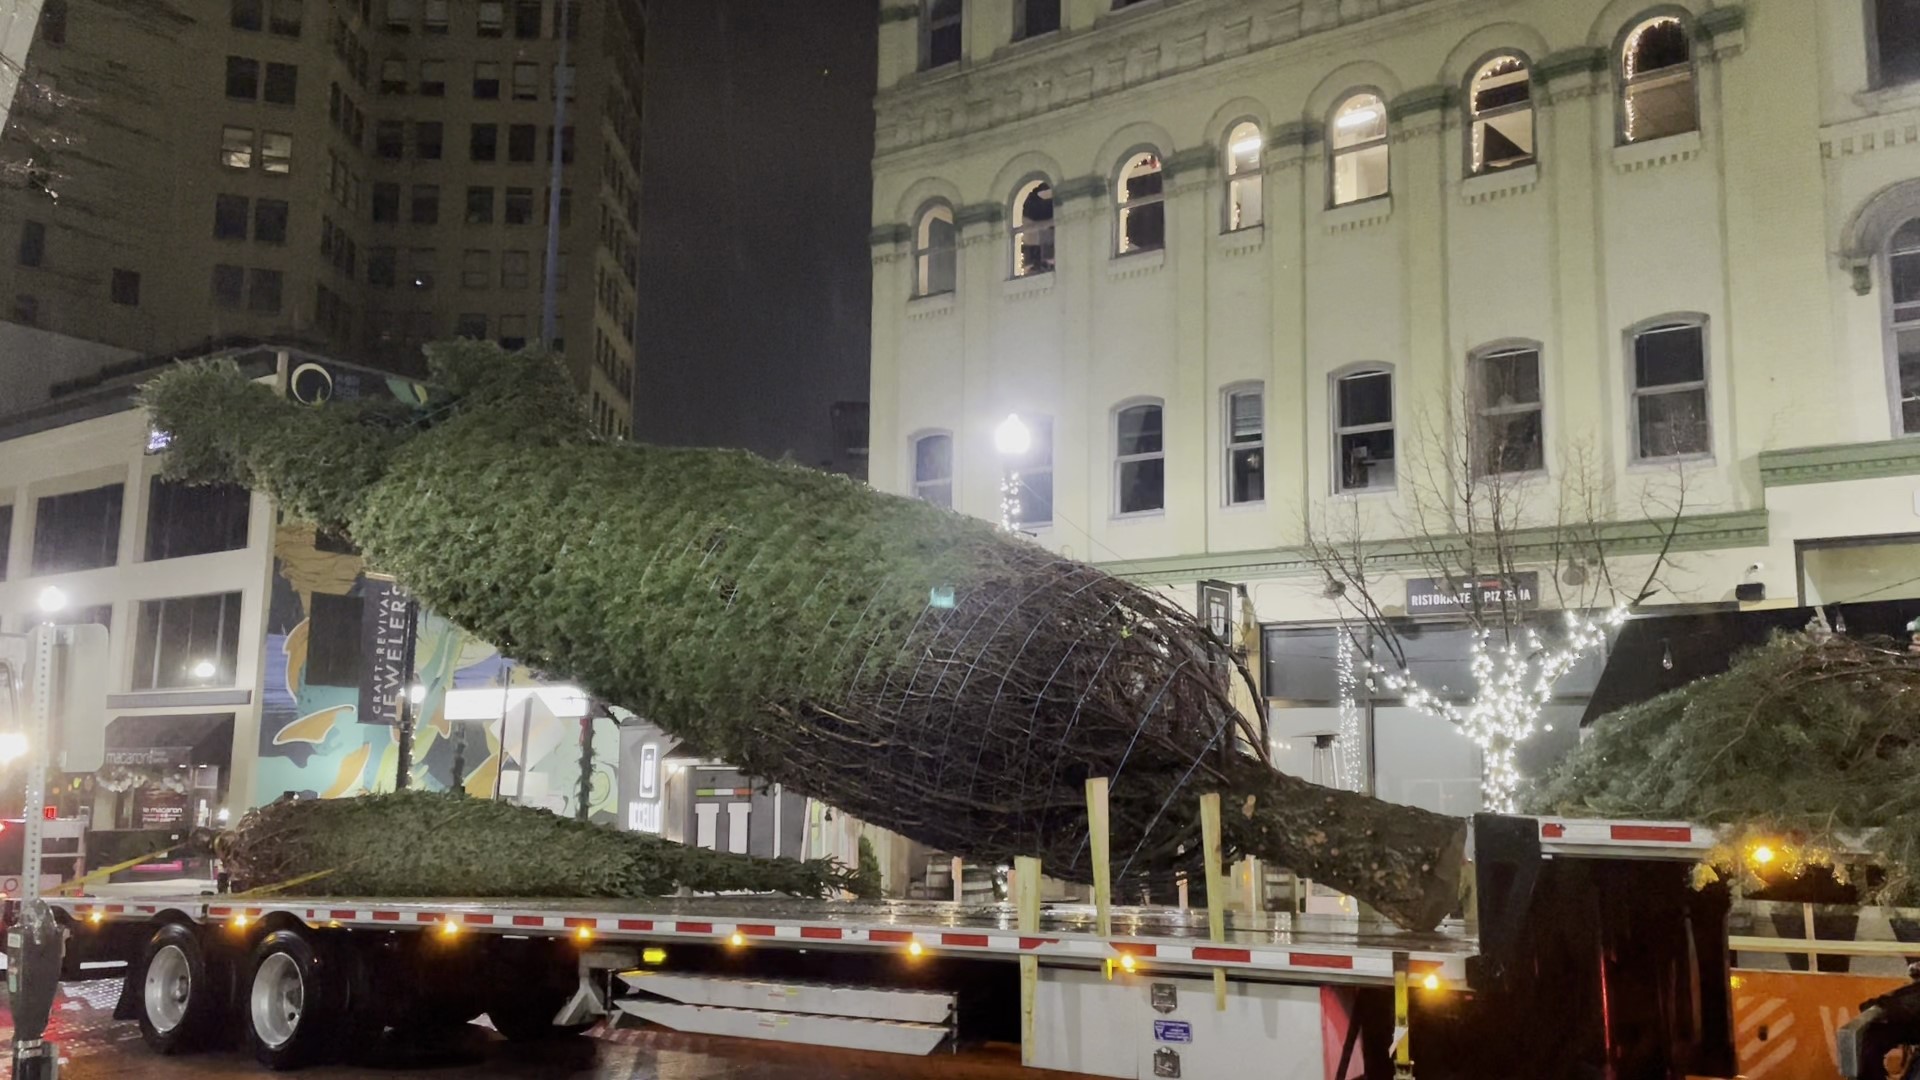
{"x": 563, "y": 22}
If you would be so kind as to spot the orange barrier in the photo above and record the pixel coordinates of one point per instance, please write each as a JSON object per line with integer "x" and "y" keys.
{"x": 1784, "y": 1021}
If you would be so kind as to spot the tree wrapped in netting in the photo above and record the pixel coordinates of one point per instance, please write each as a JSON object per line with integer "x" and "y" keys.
{"x": 1811, "y": 737}
{"x": 912, "y": 666}
{"x": 418, "y": 843}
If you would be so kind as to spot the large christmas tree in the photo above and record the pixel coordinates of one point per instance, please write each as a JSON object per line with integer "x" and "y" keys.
{"x": 1810, "y": 742}
{"x": 917, "y": 668}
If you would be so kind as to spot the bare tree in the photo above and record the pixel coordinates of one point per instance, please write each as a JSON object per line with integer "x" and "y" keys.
{"x": 1480, "y": 516}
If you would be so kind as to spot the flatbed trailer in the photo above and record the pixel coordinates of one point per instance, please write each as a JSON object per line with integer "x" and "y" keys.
{"x": 1584, "y": 948}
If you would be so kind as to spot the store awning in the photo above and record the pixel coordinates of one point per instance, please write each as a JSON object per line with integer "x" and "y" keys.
{"x": 199, "y": 739}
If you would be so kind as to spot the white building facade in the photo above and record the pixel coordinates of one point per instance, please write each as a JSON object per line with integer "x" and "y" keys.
{"x": 1234, "y": 263}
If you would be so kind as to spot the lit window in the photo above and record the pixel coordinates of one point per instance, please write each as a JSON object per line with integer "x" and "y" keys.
{"x": 1903, "y": 274}
{"x": 1360, "y": 153}
{"x": 526, "y": 82}
{"x": 933, "y": 469}
{"x": 1670, "y": 391}
{"x": 1030, "y": 475}
{"x": 1363, "y": 431}
{"x": 276, "y": 152}
{"x": 1140, "y": 460}
{"x": 1244, "y": 208}
{"x": 434, "y": 21}
{"x": 1508, "y": 436}
{"x": 1896, "y": 41}
{"x": 236, "y": 148}
{"x": 187, "y": 642}
{"x": 1501, "y": 101}
{"x": 491, "y": 18}
{"x": 1656, "y": 81}
{"x": 935, "y": 251}
{"x": 1142, "y": 205}
{"x": 1033, "y": 229}
{"x": 940, "y": 33}
{"x": 1246, "y": 446}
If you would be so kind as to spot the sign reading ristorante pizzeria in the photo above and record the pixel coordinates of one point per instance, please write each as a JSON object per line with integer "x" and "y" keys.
{"x": 1427, "y": 596}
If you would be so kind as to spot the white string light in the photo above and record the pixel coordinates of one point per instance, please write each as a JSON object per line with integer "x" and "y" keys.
{"x": 1515, "y": 681}
{"x": 1348, "y": 762}
{"x": 1010, "y": 500}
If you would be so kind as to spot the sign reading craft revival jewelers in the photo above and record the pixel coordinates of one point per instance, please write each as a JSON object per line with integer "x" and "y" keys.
{"x": 1441, "y": 596}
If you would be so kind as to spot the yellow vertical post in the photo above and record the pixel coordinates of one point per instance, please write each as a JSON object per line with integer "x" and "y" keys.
{"x": 959, "y": 879}
{"x": 1216, "y": 887}
{"x": 1402, "y": 1028}
{"x": 1097, "y": 843}
{"x": 1026, "y": 890}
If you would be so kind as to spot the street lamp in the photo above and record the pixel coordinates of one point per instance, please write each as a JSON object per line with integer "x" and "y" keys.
{"x": 204, "y": 670}
{"x": 1012, "y": 439}
{"x": 53, "y": 600}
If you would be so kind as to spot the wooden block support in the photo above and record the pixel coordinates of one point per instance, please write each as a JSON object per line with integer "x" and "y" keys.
{"x": 1097, "y": 843}
{"x": 1216, "y": 887}
{"x": 1026, "y": 886}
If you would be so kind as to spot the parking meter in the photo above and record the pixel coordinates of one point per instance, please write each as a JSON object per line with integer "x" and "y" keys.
{"x": 36, "y": 948}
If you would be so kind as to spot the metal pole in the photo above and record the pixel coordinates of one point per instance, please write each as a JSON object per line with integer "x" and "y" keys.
{"x": 500, "y": 755}
{"x": 526, "y": 733}
{"x": 585, "y": 792}
{"x": 403, "y": 759}
{"x": 38, "y": 757}
{"x": 556, "y": 147}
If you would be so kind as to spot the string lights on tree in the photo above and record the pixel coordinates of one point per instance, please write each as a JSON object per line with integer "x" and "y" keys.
{"x": 1348, "y": 761}
{"x": 1514, "y": 682}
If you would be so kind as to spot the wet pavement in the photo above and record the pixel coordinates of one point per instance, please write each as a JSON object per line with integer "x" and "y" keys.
{"x": 96, "y": 1047}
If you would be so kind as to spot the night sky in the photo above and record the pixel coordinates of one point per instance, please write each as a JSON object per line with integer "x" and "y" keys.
{"x": 754, "y": 291}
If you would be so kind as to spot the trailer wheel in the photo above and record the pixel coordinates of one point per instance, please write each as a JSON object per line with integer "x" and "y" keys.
{"x": 179, "y": 999}
{"x": 295, "y": 1001}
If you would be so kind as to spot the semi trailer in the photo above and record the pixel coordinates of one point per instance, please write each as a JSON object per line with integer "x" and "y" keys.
{"x": 1582, "y": 949}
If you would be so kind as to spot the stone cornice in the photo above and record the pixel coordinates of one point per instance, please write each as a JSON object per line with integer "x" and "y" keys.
{"x": 1703, "y": 532}
{"x": 889, "y": 235}
{"x": 1080, "y": 187}
{"x": 1851, "y": 461}
{"x": 899, "y": 13}
{"x": 1567, "y": 62}
{"x": 1122, "y": 54}
{"x": 1192, "y": 159}
{"x": 978, "y": 214}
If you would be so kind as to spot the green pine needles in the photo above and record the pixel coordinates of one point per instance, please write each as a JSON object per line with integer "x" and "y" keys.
{"x": 1812, "y": 738}
{"x": 779, "y": 618}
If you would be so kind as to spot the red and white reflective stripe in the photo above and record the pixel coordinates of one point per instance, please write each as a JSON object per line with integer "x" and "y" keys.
{"x": 1309, "y": 964}
{"x": 1629, "y": 834}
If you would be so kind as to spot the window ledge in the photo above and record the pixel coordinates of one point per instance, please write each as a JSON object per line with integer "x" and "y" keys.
{"x": 1136, "y": 263}
{"x": 1359, "y": 215}
{"x": 1684, "y": 461}
{"x": 1883, "y": 99}
{"x": 1257, "y": 507}
{"x": 1498, "y": 185}
{"x": 1030, "y": 285}
{"x": 1138, "y": 516}
{"x": 1243, "y": 241}
{"x": 1634, "y": 157}
{"x": 927, "y": 307}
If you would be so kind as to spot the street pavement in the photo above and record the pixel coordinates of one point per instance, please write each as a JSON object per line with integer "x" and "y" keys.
{"x": 96, "y": 1047}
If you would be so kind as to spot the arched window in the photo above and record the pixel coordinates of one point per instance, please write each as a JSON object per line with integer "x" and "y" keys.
{"x": 935, "y": 251}
{"x": 1363, "y": 442}
{"x": 1656, "y": 80}
{"x": 1359, "y": 141}
{"x": 1508, "y": 435}
{"x": 1140, "y": 460}
{"x": 1500, "y": 99}
{"x": 1033, "y": 228}
{"x": 1670, "y": 418}
{"x": 933, "y": 468}
{"x": 1244, "y": 207}
{"x": 1903, "y": 323}
{"x": 1141, "y": 204}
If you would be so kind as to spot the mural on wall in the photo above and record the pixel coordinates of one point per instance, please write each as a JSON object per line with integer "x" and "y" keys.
{"x": 328, "y": 719}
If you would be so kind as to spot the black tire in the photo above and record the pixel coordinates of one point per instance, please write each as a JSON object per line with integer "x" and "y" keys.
{"x": 178, "y": 997}
{"x": 293, "y": 1001}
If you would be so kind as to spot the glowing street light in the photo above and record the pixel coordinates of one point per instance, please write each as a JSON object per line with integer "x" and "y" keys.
{"x": 204, "y": 669}
{"x": 417, "y": 693}
{"x": 13, "y": 744}
{"x": 1012, "y": 438}
{"x": 53, "y": 599}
